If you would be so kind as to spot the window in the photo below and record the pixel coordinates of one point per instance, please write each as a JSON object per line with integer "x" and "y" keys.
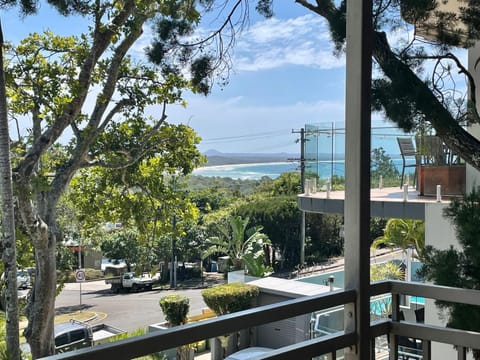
{"x": 61, "y": 340}
{"x": 77, "y": 335}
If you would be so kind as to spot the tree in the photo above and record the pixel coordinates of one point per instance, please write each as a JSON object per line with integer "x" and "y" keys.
{"x": 237, "y": 241}
{"x": 382, "y": 165}
{"x": 123, "y": 244}
{"x": 399, "y": 91}
{"x": 52, "y": 80}
{"x": 8, "y": 245}
{"x": 403, "y": 233}
{"x": 459, "y": 267}
{"x": 325, "y": 240}
{"x": 280, "y": 219}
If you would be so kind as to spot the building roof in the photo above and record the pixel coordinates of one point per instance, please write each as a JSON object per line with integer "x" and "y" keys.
{"x": 289, "y": 288}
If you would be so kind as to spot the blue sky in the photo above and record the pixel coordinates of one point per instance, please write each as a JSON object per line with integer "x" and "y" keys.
{"x": 284, "y": 76}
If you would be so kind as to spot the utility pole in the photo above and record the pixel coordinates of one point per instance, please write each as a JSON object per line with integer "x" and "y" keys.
{"x": 173, "y": 273}
{"x": 302, "y": 180}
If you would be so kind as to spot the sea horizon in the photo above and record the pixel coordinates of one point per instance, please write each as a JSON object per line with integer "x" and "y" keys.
{"x": 256, "y": 171}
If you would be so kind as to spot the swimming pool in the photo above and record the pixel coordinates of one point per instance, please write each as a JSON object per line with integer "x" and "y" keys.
{"x": 339, "y": 282}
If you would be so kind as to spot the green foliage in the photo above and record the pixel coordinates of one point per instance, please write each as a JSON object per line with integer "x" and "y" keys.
{"x": 50, "y": 82}
{"x": 237, "y": 241}
{"x": 135, "y": 333}
{"x": 280, "y": 218}
{"x": 90, "y": 274}
{"x": 254, "y": 257}
{"x": 122, "y": 244}
{"x": 24, "y": 249}
{"x": 175, "y": 308}
{"x": 148, "y": 191}
{"x": 287, "y": 183}
{"x": 65, "y": 258}
{"x": 228, "y": 187}
{"x": 381, "y": 305}
{"x": 459, "y": 267}
{"x": 229, "y": 298}
{"x": 382, "y": 165}
{"x": 3, "y": 344}
{"x": 386, "y": 271}
{"x": 325, "y": 241}
{"x": 403, "y": 233}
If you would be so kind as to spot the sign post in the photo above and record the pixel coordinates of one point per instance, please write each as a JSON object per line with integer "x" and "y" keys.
{"x": 80, "y": 277}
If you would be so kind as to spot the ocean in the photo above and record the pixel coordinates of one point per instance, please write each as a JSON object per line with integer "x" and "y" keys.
{"x": 248, "y": 171}
{"x": 273, "y": 170}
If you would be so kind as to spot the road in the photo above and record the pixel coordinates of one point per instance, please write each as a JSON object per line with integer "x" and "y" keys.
{"x": 127, "y": 311}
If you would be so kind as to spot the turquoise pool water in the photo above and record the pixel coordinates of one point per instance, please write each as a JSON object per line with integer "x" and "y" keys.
{"x": 339, "y": 282}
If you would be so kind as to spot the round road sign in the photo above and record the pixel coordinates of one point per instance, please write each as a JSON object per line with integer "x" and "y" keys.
{"x": 80, "y": 275}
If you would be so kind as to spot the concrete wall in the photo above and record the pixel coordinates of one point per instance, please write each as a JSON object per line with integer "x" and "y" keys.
{"x": 440, "y": 233}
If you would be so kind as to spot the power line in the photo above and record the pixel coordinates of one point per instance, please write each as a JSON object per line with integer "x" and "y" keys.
{"x": 255, "y": 136}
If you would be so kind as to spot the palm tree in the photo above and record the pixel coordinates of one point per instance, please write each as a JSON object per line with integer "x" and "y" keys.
{"x": 243, "y": 246}
{"x": 403, "y": 233}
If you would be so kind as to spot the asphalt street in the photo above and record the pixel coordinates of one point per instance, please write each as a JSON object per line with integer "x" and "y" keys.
{"x": 127, "y": 311}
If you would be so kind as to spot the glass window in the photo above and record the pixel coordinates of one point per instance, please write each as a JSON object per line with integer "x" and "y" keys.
{"x": 77, "y": 335}
{"x": 61, "y": 340}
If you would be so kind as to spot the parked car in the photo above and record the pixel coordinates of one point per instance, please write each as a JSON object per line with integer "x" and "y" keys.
{"x": 23, "y": 279}
{"x": 76, "y": 334}
{"x": 248, "y": 353}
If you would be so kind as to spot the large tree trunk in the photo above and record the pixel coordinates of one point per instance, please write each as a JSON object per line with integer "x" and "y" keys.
{"x": 41, "y": 303}
{"x": 446, "y": 127}
{"x": 39, "y": 332}
{"x": 459, "y": 140}
{"x": 8, "y": 223}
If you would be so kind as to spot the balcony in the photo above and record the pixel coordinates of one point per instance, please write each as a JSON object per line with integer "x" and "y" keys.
{"x": 392, "y": 328}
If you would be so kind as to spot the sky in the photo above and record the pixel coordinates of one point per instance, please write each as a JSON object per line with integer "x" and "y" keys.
{"x": 284, "y": 76}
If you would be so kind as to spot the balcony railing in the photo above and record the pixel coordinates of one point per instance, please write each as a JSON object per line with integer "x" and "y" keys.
{"x": 392, "y": 327}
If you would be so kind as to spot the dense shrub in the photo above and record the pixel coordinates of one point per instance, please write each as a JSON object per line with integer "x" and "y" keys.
{"x": 90, "y": 274}
{"x": 175, "y": 308}
{"x": 229, "y": 298}
{"x": 93, "y": 274}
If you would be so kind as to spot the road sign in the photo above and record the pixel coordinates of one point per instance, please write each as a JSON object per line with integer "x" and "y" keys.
{"x": 80, "y": 275}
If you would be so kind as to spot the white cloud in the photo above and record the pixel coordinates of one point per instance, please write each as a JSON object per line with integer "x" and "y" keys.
{"x": 273, "y": 43}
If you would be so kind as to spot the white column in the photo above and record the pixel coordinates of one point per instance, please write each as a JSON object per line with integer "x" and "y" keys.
{"x": 357, "y": 172}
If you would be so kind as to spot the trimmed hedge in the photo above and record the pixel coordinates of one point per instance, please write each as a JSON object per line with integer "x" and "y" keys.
{"x": 175, "y": 308}
{"x": 229, "y": 298}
